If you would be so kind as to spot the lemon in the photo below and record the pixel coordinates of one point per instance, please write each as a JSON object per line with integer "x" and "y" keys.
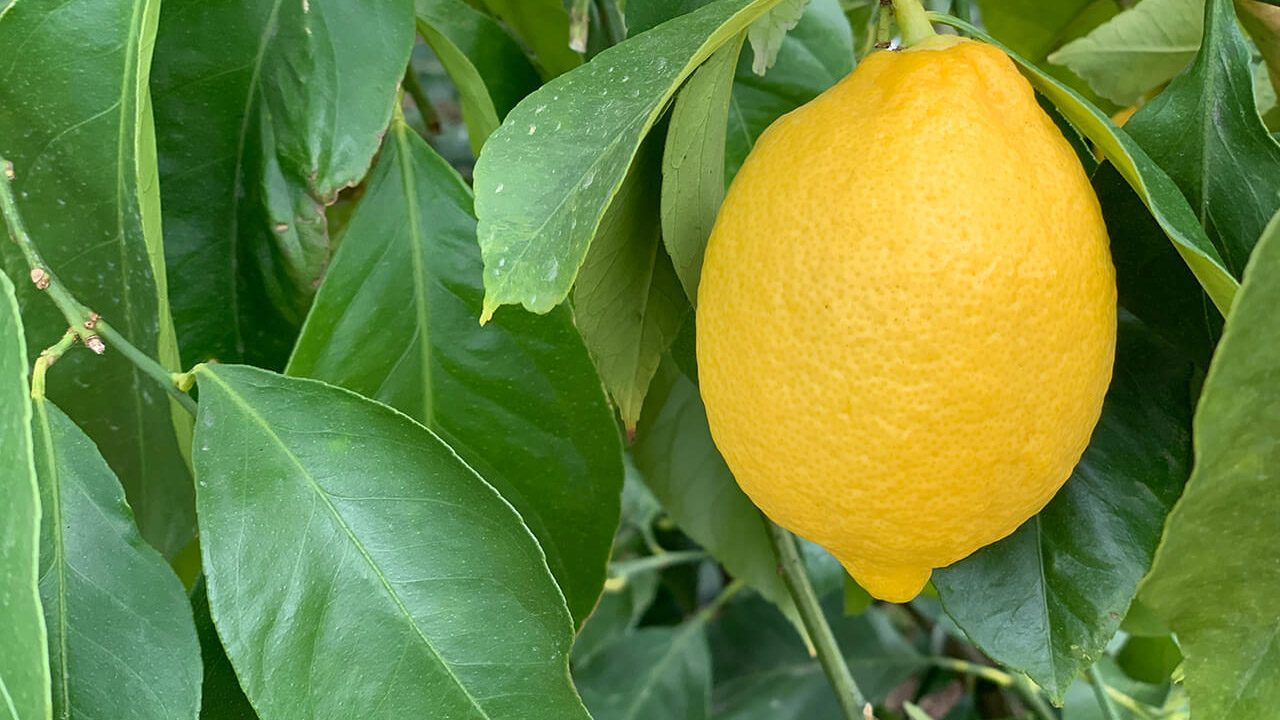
{"x": 907, "y": 312}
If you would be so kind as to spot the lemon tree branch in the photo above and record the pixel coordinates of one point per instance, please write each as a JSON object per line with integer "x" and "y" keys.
{"x": 796, "y": 577}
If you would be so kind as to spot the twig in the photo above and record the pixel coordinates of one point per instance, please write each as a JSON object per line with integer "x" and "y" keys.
{"x": 430, "y": 120}
{"x": 796, "y": 577}
{"x": 1109, "y": 711}
{"x": 48, "y": 357}
{"x": 86, "y": 324}
{"x": 625, "y": 568}
{"x": 884, "y": 24}
{"x": 1035, "y": 701}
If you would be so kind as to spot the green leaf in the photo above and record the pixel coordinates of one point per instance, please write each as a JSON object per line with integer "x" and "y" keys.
{"x": 1204, "y": 131}
{"x": 767, "y": 33}
{"x": 265, "y": 110}
{"x": 121, "y": 639}
{"x": 1218, "y": 565}
{"x": 693, "y": 163}
{"x": 1263, "y": 25}
{"x": 354, "y": 561}
{"x": 657, "y": 672}
{"x": 1153, "y": 282}
{"x": 680, "y": 463}
{"x": 628, "y": 302}
{"x": 548, "y": 174}
{"x": 779, "y": 680}
{"x": 221, "y": 696}
{"x": 1137, "y": 50}
{"x": 544, "y": 26}
{"x": 486, "y": 64}
{"x": 644, "y": 15}
{"x": 1047, "y": 599}
{"x": 1158, "y": 192}
{"x": 77, "y": 126}
{"x": 1149, "y": 659}
{"x": 1034, "y": 29}
{"x": 24, "y": 664}
{"x": 814, "y": 56}
{"x": 396, "y": 320}
{"x": 616, "y": 616}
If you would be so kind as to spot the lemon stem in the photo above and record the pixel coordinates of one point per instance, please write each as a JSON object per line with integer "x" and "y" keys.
{"x": 912, "y": 22}
{"x": 796, "y": 577}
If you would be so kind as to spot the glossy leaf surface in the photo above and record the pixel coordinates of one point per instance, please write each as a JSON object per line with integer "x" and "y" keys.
{"x": 628, "y": 302}
{"x": 548, "y": 174}
{"x": 353, "y": 560}
{"x": 264, "y": 111}
{"x": 1218, "y": 565}
{"x": 77, "y": 126}
{"x": 1204, "y": 130}
{"x": 121, "y": 640}
{"x": 543, "y": 25}
{"x": 1047, "y": 599}
{"x": 221, "y": 697}
{"x": 396, "y": 320}
{"x": 24, "y": 666}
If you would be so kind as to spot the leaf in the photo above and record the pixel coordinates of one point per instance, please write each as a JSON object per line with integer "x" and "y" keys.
{"x": 1153, "y": 282}
{"x": 1158, "y": 192}
{"x": 77, "y": 127}
{"x": 682, "y": 467}
{"x": 814, "y": 56}
{"x": 1263, "y": 25}
{"x": 658, "y": 672}
{"x": 616, "y": 616}
{"x": 353, "y": 561}
{"x": 121, "y": 639}
{"x": 519, "y": 400}
{"x": 1137, "y": 50}
{"x": 627, "y": 302}
{"x": 488, "y": 67}
{"x": 544, "y": 26}
{"x": 1204, "y": 131}
{"x": 693, "y": 182}
{"x": 1034, "y": 29}
{"x": 548, "y": 174}
{"x": 221, "y": 696}
{"x": 779, "y": 680}
{"x": 265, "y": 110}
{"x": 24, "y": 664}
{"x": 644, "y": 15}
{"x": 767, "y": 33}
{"x": 1218, "y": 565}
{"x": 1047, "y": 599}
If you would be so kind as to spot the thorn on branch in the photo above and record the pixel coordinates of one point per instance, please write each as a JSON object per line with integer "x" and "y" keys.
{"x": 40, "y": 278}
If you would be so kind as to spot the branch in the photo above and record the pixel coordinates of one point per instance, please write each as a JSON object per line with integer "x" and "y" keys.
{"x": 85, "y": 324}
{"x": 1109, "y": 711}
{"x": 796, "y": 577}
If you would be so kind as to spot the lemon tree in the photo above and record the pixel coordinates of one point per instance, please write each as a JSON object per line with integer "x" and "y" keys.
{"x": 630, "y": 359}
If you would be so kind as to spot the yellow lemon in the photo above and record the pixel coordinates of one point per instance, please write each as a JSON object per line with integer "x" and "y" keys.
{"x": 907, "y": 314}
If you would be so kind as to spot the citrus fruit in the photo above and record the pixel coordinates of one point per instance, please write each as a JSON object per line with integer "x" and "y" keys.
{"x": 907, "y": 312}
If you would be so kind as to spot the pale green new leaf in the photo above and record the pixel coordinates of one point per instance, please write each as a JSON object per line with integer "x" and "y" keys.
{"x": 548, "y": 174}
{"x": 693, "y": 164}
{"x": 767, "y": 33}
{"x": 1216, "y": 572}
{"x": 627, "y": 302}
{"x": 24, "y": 663}
{"x": 122, "y": 643}
{"x": 354, "y": 562}
{"x": 1137, "y": 50}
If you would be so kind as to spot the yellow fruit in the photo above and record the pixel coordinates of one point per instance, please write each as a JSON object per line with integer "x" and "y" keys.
{"x": 907, "y": 314}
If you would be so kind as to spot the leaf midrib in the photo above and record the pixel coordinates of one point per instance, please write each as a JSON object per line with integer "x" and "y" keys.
{"x": 364, "y": 553}
{"x": 408, "y": 184}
